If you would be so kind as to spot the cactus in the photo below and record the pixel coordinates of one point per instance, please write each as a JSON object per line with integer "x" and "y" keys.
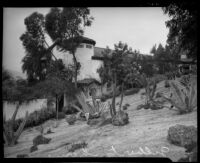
{"x": 10, "y": 136}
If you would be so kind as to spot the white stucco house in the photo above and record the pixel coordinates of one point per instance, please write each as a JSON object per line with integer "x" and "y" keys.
{"x": 88, "y": 76}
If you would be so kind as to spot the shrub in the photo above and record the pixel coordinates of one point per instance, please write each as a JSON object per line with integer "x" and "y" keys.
{"x": 131, "y": 91}
{"x": 61, "y": 115}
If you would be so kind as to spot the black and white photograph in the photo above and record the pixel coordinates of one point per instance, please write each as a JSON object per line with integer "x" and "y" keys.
{"x": 100, "y": 82}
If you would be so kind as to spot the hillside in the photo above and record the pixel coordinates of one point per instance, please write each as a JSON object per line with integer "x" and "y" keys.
{"x": 147, "y": 131}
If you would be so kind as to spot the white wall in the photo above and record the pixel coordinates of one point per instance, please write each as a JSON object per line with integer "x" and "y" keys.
{"x": 88, "y": 66}
{"x": 8, "y": 109}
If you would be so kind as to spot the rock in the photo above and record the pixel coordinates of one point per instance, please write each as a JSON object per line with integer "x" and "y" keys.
{"x": 40, "y": 139}
{"x": 93, "y": 122}
{"x": 76, "y": 145}
{"x": 49, "y": 131}
{"x": 183, "y": 159}
{"x": 33, "y": 148}
{"x": 22, "y": 156}
{"x": 125, "y": 107}
{"x": 120, "y": 119}
{"x": 71, "y": 119}
{"x": 184, "y": 136}
{"x": 80, "y": 116}
{"x": 191, "y": 157}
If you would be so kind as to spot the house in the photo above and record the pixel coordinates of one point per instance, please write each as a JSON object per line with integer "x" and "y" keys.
{"x": 186, "y": 67}
{"x": 90, "y": 58}
{"x": 90, "y": 86}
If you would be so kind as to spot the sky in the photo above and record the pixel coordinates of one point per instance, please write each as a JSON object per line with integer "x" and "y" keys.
{"x": 139, "y": 27}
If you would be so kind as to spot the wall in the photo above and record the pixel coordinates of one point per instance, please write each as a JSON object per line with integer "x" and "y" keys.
{"x": 88, "y": 66}
{"x": 8, "y": 109}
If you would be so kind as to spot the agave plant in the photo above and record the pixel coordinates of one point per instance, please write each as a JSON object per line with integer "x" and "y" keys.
{"x": 10, "y": 136}
{"x": 184, "y": 99}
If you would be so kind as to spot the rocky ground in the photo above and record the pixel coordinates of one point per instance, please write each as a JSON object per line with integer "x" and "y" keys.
{"x": 145, "y": 135}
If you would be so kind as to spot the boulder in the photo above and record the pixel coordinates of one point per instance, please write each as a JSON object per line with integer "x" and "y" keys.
{"x": 71, "y": 119}
{"x": 40, "y": 139}
{"x": 22, "y": 156}
{"x": 184, "y": 136}
{"x": 33, "y": 148}
{"x": 120, "y": 119}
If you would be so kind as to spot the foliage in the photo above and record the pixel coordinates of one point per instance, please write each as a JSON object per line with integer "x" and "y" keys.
{"x": 163, "y": 53}
{"x": 182, "y": 26}
{"x": 33, "y": 41}
{"x": 67, "y": 25}
{"x": 64, "y": 26}
{"x": 184, "y": 100}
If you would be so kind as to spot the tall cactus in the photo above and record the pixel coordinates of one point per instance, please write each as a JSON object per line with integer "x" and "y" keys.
{"x": 10, "y": 136}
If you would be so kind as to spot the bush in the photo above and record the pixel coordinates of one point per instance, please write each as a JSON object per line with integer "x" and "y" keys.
{"x": 131, "y": 91}
{"x": 61, "y": 115}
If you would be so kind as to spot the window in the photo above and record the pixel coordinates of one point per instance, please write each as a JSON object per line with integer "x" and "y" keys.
{"x": 81, "y": 46}
{"x": 89, "y": 46}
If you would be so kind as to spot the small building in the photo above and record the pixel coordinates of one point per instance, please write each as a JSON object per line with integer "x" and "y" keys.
{"x": 185, "y": 68}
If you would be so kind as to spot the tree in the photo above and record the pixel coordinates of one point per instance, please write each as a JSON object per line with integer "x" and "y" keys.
{"x": 182, "y": 27}
{"x": 34, "y": 43}
{"x": 57, "y": 83}
{"x": 163, "y": 53}
{"x": 64, "y": 26}
{"x": 115, "y": 69}
{"x": 67, "y": 25}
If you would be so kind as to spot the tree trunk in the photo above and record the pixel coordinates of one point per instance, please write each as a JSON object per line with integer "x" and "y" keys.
{"x": 122, "y": 96}
{"x": 13, "y": 120}
{"x": 56, "y": 110}
{"x": 76, "y": 69}
{"x": 114, "y": 90}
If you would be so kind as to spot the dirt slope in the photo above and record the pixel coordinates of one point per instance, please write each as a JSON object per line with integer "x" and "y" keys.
{"x": 146, "y": 133}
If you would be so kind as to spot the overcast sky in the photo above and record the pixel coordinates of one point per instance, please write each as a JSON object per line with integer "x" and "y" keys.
{"x": 140, "y": 28}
